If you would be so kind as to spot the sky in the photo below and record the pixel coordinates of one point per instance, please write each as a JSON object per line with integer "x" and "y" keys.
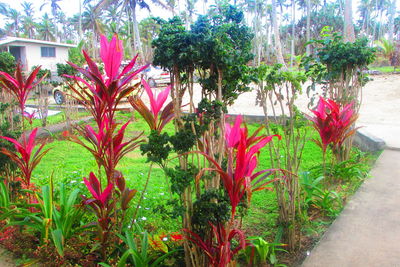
{"x": 71, "y": 7}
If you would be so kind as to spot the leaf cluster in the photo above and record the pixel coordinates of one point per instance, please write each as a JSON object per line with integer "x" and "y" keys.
{"x": 180, "y": 179}
{"x": 219, "y": 42}
{"x": 7, "y": 62}
{"x": 337, "y": 56}
{"x": 212, "y": 207}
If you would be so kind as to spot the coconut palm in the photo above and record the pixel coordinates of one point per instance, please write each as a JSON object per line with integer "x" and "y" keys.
{"x": 55, "y": 7}
{"x": 29, "y": 27}
{"x": 14, "y": 19}
{"x": 46, "y": 29}
{"x": 130, "y": 7}
{"x": 28, "y": 9}
{"x": 91, "y": 22}
{"x": 277, "y": 39}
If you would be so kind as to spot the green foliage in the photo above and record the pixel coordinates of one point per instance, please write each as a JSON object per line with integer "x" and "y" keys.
{"x": 138, "y": 250}
{"x": 316, "y": 196}
{"x": 6, "y": 130}
{"x": 75, "y": 54}
{"x": 219, "y": 43}
{"x": 180, "y": 179}
{"x": 212, "y": 207}
{"x": 42, "y": 72}
{"x": 183, "y": 140}
{"x": 388, "y": 48}
{"x": 65, "y": 69}
{"x": 260, "y": 252}
{"x": 174, "y": 46}
{"x": 211, "y": 110}
{"x": 274, "y": 76}
{"x": 7, "y": 62}
{"x": 157, "y": 149}
{"x": 335, "y": 57}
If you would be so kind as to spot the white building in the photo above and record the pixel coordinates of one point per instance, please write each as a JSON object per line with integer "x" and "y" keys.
{"x": 30, "y": 52}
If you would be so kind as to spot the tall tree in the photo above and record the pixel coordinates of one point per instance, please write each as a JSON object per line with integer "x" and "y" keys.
{"x": 277, "y": 39}
{"x": 348, "y": 30}
{"x": 46, "y": 29}
{"x": 54, "y": 7}
{"x": 308, "y": 29}
{"x": 392, "y": 12}
{"x": 14, "y": 18}
{"x": 91, "y": 22}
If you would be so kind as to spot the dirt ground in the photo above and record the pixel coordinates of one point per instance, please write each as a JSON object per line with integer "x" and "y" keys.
{"x": 379, "y": 113}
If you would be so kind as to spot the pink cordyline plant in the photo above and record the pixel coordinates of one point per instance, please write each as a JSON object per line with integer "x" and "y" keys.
{"x": 20, "y": 87}
{"x": 106, "y": 147}
{"x": 333, "y": 123}
{"x": 240, "y": 178}
{"x": 101, "y": 94}
{"x": 102, "y": 205}
{"x": 152, "y": 116}
{"x": 25, "y": 159}
{"x": 219, "y": 252}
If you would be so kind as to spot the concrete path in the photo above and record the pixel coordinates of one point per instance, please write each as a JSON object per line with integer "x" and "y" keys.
{"x": 367, "y": 232}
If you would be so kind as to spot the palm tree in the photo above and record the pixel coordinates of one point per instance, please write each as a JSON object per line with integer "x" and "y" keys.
{"x": 29, "y": 26}
{"x": 91, "y": 21}
{"x": 112, "y": 14}
{"x": 392, "y": 12}
{"x": 62, "y": 20}
{"x": 55, "y": 7}
{"x": 130, "y": 7}
{"x": 28, "y": 23}
{"x": 14, "y": 18}
{"x": 277, "y": 39}
{"x": 28, "y": 9}
{"x": 46, "y": 29}
{"x": 348, "y": 30}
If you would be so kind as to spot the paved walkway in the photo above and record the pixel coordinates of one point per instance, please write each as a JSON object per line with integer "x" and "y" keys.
{"x": 367, "y": 232}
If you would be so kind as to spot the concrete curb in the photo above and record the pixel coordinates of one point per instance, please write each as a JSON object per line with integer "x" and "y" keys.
{"x": 47, "y": 131}
{"x": 365, "y": 141}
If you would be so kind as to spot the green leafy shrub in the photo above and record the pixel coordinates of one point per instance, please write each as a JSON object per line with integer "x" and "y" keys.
{"x": 7, "y": 62}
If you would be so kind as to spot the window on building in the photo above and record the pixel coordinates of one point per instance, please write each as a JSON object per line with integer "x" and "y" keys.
{"x": 48, "y": 51}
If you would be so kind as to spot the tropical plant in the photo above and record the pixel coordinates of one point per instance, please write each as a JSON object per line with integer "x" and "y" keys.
{"x": 334, "y": 125}
{"x": 103, "y": 206}
{"x": 20, "y": 87}
{"x": 239, "y": 178}
{"x": 281, "y": 87}
{"x": 220, "y": 248}
{"x": 139, "y": 253}
{"x": 7, "y": 63}
{"x": 25, "y": 160}
{"x": 317, "y": 197}
{"x": 100, "y": 94}
{"x": 151, "y": 115}
{"x": 261, "y": 252}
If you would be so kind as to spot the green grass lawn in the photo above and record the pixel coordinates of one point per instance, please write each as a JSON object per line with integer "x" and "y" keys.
{"x": 68, "y": 162}
{"x": 384, "y": 69}
{"x": 58, "y": 118}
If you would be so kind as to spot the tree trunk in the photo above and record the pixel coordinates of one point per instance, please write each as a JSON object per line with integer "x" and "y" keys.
{"x": 138, "y": 43}
{"x": 308, "y": 38}
{"x": 392, "y": 12}
{"x": 278, "y": 45}
{"x": 292, "y": 52}
{"x": 349, "y": 35}
{"x": 80, "y": 21}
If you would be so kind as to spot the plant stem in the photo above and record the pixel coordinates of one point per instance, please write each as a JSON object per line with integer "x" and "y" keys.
{"x": 144, "y": 191}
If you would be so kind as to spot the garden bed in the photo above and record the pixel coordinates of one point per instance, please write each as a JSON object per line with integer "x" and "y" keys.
{"x": 68, "y": 162}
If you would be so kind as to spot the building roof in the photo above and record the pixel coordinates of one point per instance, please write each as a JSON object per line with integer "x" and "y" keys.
{"x": 10, "y": 40}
